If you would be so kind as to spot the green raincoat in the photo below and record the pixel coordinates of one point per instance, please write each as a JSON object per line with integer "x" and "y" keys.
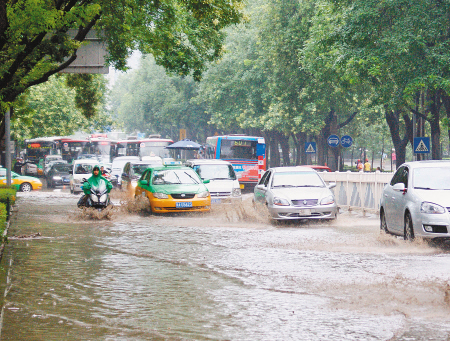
{"x": 94, "y": 181}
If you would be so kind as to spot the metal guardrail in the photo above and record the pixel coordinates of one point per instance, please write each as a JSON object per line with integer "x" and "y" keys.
{"x": 358, "y": 190}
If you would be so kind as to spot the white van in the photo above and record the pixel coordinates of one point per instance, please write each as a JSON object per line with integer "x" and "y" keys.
{"x": 224, "y": 185}
{"x": 82, "y": 169}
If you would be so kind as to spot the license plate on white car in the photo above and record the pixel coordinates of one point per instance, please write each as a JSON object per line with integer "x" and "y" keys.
{"x": 215, "y": 201}
{"x": 304, "y": 212}
{"x": 183, "y": 204}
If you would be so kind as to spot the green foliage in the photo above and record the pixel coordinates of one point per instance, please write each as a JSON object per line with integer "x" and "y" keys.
{"x": 8, "y": 193}
{"x": 150, "y": 101}
{"x": 35, "y": 43}
{"x": 49, "y": 109}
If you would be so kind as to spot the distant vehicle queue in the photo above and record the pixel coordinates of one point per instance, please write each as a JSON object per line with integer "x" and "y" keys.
{"x": 245, "y": 155}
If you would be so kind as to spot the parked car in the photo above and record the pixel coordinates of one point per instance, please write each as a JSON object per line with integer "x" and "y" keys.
{"x": 118, "y": 164}
{"x": 21, "y": 182}
{"x": 174, "y": 189}
{"x": 223, "y": 183}
{"x": 59, "y": 175}
{"x": 132, "y": 171}
{"x": 416, "y": 203}
{"x": 82, "y": 169}
{"x": 295, "y": 193}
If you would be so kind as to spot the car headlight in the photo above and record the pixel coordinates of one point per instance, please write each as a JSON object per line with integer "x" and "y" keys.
{"x": 236, "y": 192}
{"x": 280, "y": 202}
{"x": 57, "y": 178}
{"x": 134, "y": 183}
{"x": 76, "y": 181}
{"x": 430, "y": 208}
{"x": 327, "y": 200}
{"x": 204, "y": 194}
{"x": 160, "y": 195}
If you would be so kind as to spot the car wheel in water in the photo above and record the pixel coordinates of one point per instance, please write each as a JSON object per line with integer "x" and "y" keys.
{"x": 26, "y": 187}
{"x": 383, "y": 224}
{"x": 408, "y": 233}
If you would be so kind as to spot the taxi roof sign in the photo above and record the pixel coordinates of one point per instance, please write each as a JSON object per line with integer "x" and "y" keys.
{"x": 172, "y": 163}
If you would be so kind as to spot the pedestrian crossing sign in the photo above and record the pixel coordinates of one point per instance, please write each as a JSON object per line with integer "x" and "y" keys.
{"x": 310, "y": 147}
{"x": 421, "y": 145}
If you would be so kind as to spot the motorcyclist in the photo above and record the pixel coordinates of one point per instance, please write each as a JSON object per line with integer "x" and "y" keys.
{"x": 94, "y": 180}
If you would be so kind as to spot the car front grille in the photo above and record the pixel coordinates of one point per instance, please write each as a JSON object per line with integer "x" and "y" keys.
{"x": 220, "y": 194}
{"x": 183, "y": 195}
{"x": 305, "y": 202}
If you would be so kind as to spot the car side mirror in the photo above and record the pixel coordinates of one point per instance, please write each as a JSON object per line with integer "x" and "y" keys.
{"x": 331, "y": 185}
{"x": 399, "y": 187}
{"x": 260, "y": 186}
{"x": 144, "y": 182}
{"x": 207, "y": 181}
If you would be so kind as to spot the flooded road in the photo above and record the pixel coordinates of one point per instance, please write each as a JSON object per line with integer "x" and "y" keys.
{"x": 228, "y": 275}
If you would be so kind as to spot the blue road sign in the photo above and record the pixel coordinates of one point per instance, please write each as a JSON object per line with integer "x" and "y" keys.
{"x": 333, "y": 140}
{"x": 421, "y": 145}
{"x": 346, "y": 141}
{"x": 310, "y": 147}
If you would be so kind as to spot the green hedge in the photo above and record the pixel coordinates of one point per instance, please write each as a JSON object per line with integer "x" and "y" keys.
{"x": 8, "y": 192}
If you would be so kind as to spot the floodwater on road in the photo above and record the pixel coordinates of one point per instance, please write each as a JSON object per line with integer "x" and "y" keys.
{"x": 227, "y": 275}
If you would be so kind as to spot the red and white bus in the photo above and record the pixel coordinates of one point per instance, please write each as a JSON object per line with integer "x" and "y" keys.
{"x": 247, "y": 154}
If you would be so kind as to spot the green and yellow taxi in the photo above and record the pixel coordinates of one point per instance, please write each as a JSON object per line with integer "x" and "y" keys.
{"x": 21, "y": 182}
{"x": 173, "y": 188}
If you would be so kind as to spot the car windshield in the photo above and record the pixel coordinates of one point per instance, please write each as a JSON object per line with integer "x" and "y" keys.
{"x": 83, "y": 168}
{"x": 61, "y": 167}
{"x": 175, "y": 176}
{"x": 216, "y": 172}
{"x": 138, "y": 170}
{"x": 432, "y": 178}
{"x": 297, "y": 179}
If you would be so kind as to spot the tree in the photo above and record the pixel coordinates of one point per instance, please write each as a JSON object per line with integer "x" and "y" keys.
{"x": 150, "y": 101}
{"x": 402, "y": 49}
{"x": 49, "y": 109}
{"x": 183, "y": 35}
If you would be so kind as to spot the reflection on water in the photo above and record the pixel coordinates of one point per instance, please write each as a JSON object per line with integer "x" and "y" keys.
{"x": 227, "y": 275}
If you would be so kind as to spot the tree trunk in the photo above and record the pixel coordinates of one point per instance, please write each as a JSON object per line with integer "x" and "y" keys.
{"x": 284, "y": 143}
{"x": 434, "y": 98}
{"x": 393, "y": 121}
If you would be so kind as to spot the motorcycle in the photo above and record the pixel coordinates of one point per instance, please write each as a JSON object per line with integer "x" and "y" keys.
{"x": 98, "y": 198}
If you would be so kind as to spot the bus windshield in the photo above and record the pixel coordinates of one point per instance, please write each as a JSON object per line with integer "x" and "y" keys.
{"x": 154, "y": 149}
{"x": 238, "y": 149}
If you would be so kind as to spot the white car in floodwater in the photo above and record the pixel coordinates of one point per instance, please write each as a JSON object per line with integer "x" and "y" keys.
{"x": 82, "y": 169}
{"x": 223, "y": 184}
{"x": 295, "y": 193}
{"x": 416, "y": 203}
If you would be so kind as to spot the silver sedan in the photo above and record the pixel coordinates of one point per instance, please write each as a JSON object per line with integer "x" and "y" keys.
{"x": 416, "y": 203}
{"x": 295, "y": 193}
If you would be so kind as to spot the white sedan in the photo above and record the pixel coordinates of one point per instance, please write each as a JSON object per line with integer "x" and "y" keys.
{"x": 295, "y": 193}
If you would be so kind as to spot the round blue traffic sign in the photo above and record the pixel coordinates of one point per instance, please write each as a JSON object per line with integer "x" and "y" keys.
{"x": 333, "y": 140}
{"x": 346, "y": 141}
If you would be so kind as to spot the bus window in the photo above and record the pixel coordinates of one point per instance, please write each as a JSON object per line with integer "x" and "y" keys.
{"x": 238, "y": 149}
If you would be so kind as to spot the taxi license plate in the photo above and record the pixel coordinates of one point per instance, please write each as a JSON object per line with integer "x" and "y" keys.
{"x": 304, "y": 212}
{"x": 183, "y": 204}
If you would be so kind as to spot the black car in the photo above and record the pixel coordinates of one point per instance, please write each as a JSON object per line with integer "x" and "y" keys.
{"x": 59, "y": 175}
